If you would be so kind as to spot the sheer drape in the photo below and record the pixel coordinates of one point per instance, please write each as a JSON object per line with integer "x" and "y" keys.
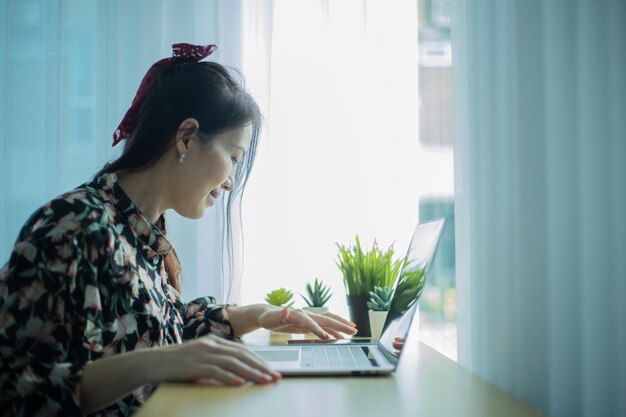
{"x": 69, "y": 70}
{"x": 541, "y": 195}
{"x": 341, "y": 158}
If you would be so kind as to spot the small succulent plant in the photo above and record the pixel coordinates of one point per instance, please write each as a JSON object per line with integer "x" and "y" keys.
{"x": 317, "y": 294}
{"x": 280, "y": 298}
{"x": 380, "y": 299}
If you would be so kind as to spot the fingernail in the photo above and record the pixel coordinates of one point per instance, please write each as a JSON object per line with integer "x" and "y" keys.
{"x": 240, "y": 381}
{"x": 267, "y": 378}
{"x": 352, "y": 324}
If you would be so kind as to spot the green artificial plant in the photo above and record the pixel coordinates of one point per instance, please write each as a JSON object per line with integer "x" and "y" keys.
{"x": 380, "y": 299}
{"x": 280, "y": 298}
{"x": 317, "y": 294}
{"x": 364, "y": 270}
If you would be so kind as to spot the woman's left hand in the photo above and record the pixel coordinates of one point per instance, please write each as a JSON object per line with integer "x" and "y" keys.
{"x": 290, "y": 320}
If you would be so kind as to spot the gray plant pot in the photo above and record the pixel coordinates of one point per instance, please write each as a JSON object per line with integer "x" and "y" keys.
{"x": 357, "y": 306}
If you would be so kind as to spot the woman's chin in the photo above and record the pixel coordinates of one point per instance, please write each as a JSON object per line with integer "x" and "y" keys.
{"x": 190, "y": 215}
{"x": 198, "y": 211}
{"x": 193, "y": 214}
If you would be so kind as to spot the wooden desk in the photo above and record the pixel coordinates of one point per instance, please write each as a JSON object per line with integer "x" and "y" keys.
{"x": 425, "y": 384}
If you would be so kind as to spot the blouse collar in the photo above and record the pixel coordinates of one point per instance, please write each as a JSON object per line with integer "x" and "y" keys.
{"x": 151, "y": 235}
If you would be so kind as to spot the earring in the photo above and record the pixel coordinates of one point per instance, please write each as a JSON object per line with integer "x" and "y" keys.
{"x": 181, "y": 157}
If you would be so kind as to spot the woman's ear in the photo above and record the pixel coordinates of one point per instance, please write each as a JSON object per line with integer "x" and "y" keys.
{"x": 185, "y": 131}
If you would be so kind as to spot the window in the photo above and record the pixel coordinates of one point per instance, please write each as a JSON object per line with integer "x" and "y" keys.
{"x": 438, "y": 301}
{"x": 346, "y": 152}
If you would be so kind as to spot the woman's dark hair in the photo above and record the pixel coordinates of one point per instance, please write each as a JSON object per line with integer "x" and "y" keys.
{"x": 213, "y": 95}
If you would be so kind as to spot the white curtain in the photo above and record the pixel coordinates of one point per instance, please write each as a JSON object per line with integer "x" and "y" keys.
{"x": 540, "y": 131}
{"x": 338, "y": 81}
{"x": 68, "y": 72}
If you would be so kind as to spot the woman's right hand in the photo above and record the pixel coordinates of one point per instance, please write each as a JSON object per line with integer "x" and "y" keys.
{"x": 212, "y": 357}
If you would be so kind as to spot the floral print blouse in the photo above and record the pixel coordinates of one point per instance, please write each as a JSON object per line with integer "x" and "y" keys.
{"x": 86, "y": 280}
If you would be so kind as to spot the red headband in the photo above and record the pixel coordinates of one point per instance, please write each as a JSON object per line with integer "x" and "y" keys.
{"x": 182, "y": 52}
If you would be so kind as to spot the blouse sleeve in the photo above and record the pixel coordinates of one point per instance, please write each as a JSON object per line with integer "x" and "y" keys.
{"x": 41, "y": 311}
{"x": 203, "y": 316}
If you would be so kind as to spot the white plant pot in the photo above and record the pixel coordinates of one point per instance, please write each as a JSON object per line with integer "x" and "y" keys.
{"x": 316, "y": 310}
{"x": 377, "y": 321}
{"x": 279, "y": 338}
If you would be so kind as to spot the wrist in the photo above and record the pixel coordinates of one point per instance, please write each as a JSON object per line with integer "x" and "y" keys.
{"x": 158, "y": 363}
{"x": 254, "y": 315}
{"x": 245, "y": 319}
{"x": 109, "y": 379}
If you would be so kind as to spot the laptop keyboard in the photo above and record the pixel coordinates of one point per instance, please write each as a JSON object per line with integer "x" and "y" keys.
{"x": 335, "y": 357}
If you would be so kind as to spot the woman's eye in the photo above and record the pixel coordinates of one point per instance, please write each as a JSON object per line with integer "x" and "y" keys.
{"x": 235, "y": 160}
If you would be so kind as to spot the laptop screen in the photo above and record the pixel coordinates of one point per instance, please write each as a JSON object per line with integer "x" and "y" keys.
{"x": 409, "y": 285}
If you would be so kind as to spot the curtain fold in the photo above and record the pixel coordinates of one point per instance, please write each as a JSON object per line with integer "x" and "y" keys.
{"x": 540, "y": 144}
{"x": 68, "y": 72}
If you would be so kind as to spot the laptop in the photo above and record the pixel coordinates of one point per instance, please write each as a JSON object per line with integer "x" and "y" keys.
{"x": 364, "y": 356}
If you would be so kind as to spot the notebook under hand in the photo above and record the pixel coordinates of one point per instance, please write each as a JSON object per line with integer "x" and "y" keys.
{"x": 354, "y": 357}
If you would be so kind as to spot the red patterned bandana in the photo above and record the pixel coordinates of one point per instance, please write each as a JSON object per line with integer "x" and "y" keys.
{"x": 182, "y": 52}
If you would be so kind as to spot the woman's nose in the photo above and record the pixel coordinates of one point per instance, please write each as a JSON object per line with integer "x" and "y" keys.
{"x": 228, "y": 184}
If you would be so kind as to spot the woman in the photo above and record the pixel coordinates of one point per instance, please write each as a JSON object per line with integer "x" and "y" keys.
{"x": 91, "y": 318}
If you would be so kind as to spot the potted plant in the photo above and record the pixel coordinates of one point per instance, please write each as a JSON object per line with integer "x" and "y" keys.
{"x": 362, "y": 272}
{"x": 317, "y": 296}
{"x": 378, "y": 304}
{"x": 280, "y": 298}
